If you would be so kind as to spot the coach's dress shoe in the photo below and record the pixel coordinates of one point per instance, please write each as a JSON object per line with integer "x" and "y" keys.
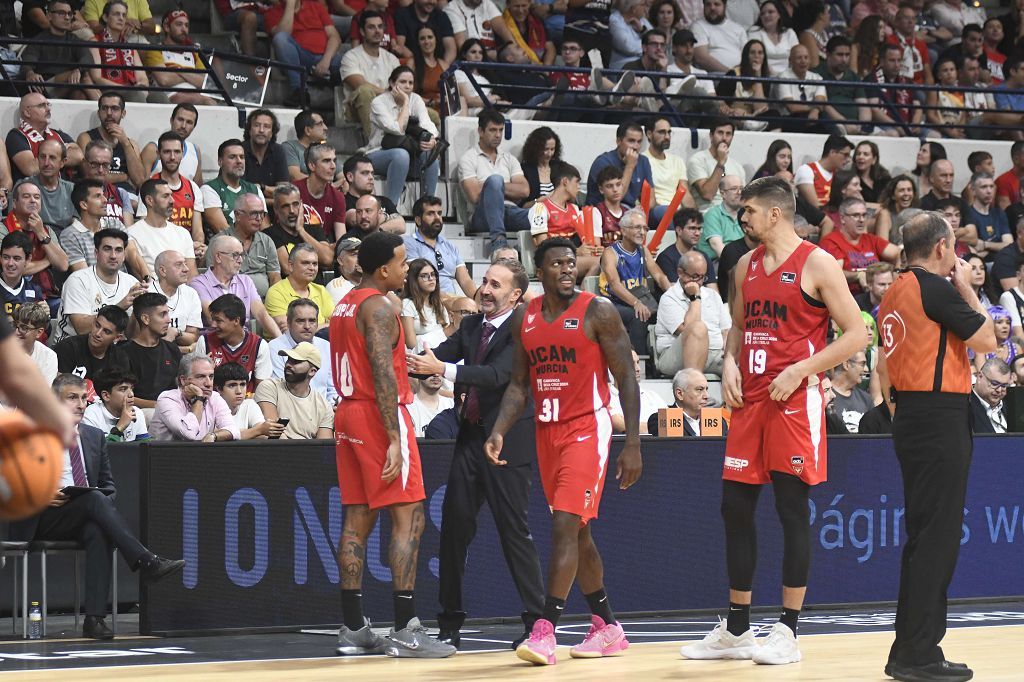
{"x": 155, "y": 567}
{"x": 939, "y": 671}
{"x": 95, "y": 627}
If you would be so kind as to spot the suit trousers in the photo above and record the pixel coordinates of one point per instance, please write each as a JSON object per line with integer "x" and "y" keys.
{"x": 932, "y": 437}
{"x": 506, "y": 489}
{"x": 92, "y": 520}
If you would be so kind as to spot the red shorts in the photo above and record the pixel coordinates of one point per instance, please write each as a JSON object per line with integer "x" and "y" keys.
{"x": 572, "y": 458}
{"x": 769, "y": 435}
{"x": 361, "y": 446}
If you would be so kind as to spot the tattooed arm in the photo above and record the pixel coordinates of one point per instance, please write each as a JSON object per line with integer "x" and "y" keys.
{"x": 514, "y": 401}
{"x": 604, "y": 325}
{"x": 377, "y": 322}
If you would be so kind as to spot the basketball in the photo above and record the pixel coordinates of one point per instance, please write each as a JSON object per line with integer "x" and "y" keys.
{"x": 30, "y": 466}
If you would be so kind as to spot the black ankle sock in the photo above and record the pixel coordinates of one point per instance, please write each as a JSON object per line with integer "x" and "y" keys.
{"x": 599, "y": 606}
{"x": 789, "y": 617}
{"x": 405, "y": 608}
{"x": 352, "y": 609}
{"x": 739, "y": 619}
{"x": 553, "y": 607}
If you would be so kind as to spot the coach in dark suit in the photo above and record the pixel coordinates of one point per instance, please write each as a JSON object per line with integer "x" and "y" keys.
{"x": 91, "y": 518}
{"x": 484, "y": 343}
{"x": 988, "y": 407}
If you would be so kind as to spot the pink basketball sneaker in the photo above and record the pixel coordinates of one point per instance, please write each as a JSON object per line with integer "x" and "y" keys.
{"x": 539, "y": 649}
{"x": 602, "y": 640}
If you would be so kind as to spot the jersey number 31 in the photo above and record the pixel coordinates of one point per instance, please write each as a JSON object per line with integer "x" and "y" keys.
{"x": 548, "y": 410}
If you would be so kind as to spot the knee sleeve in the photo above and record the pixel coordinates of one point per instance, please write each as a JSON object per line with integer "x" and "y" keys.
{"x": 791, "y": 504}
{"x": 739, "y": 502}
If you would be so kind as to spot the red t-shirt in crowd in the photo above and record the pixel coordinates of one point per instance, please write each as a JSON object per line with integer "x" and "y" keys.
{"x": 330, "y": 207}
{"x": 308, "y": 24}
{"x": 1008, "y": 185}
{"x": 859, "y": 256}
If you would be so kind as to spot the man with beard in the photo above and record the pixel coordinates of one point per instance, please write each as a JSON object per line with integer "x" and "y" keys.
{"x": 184, "y": 118}
{"x": 152, "y": 358}
{"x": 688, "y": 224}
{"x": 668, "y": 170}
{"x": 265, "y": 161}
{"x": 358, "y": 171}
{"x": 24, "y": 139}
{"x": 720, "y": 40}
{"x": 221, "y": 193}
{"x": 303, "y": 322}
{"x": 851, "y": 402}
{"x": 187, "y": 199}
{"x": 99, "y": 159}
{"x": 153, "y": 235}
{"x": 126, "y": 165}
{"x": 46, "y": 66}
{"x": 295, "y": 223}
{"x": 484, "y": 342}
{"x": 293, "y": 399}
{"x": 318, "y": 191}
{"x": 176, "y": 32}
{"x": 428, "y": 243}
{"x": 77, "y": 240}
{"x": 367, "y": 217}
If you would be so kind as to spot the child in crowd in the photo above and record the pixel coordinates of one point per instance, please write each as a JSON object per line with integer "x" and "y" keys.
{"x": 230, "y": 379}
{"x": 611, "y": 208}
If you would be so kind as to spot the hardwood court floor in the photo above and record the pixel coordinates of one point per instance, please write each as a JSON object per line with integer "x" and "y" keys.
{"x": 995, "y": 653}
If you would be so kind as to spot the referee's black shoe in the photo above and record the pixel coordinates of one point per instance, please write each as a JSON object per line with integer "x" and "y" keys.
{"x": 449, "y": 636}
{"x": 940, "y": 671}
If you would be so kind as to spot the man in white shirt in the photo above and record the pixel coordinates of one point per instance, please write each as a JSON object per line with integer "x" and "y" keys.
{"x": 650, "y": 402}
{"x": 302, "y": 324}
{"x": 706, "y": 168}
{"x": 116, "y": 414}
{"x": 804, "y": 102}
{"x": 814, "y": 180}
{"x": 720, "y": 40}
{"x": 153, "y": 235}
{"x": 29, "y": 324}
{"x": 183, "y": 304}
{"x": 187, "y": 207}
{"x": 365, "y": 68}
{"x": 692, "y": 322}
{"x": 492, "y": 180}
{"x": 88, "y": 290}
{"x": 480, "y": 19}
{"x": 427, "y": 403}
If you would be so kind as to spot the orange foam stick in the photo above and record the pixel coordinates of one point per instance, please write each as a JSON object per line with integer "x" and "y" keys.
{"x": 645, "y": 198}
{"x": 666, "y": 219}
{"x": 588, "y": 226}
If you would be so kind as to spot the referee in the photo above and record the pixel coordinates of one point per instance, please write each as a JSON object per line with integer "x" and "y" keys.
{"x": 485, "y": 344}
{"x": 927, "y": 324}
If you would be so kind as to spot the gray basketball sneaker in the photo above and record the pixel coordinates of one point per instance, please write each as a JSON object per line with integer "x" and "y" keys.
{"x": 414, "y": 642}
{"x": 359, "y": 642}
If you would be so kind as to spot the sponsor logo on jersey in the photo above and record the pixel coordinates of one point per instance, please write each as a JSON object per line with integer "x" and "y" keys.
{"x": 736, "y": 463}
{"x": 764, "y": 314}
{"x": 587, "y": 499}
{"x": 788, "y": 277}
{"x": 571, "y": 323}
{"x": 797, "y": 462}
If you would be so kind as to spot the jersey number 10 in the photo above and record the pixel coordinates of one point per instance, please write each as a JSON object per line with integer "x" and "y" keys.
{"x": 548, "y": 410}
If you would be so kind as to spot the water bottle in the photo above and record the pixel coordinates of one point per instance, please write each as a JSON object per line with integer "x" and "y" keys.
{"x": 35, "y": 622}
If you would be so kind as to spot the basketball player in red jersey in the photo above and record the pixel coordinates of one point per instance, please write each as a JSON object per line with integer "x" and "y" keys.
{"x": 786, "y": 290}
{"x": 378, "y": 463}
{"x": 565, "y": 343}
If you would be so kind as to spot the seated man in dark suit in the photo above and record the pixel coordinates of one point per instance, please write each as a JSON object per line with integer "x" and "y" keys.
{"x": 485, "y": 343}
{"x": 690, "y": 389}
{"x": 988, "y": 413}
{"x": 91, "y": 518}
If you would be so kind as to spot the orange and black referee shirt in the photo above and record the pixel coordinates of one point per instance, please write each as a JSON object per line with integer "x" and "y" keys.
{"x": 923, "y": 323}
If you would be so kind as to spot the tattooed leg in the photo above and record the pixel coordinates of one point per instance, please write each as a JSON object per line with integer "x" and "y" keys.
{"x": 358, "y": 523}
{"x": 407, "y": 524}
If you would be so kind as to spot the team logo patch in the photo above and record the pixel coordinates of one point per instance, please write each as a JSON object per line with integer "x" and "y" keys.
{"x": 788, "y": 277}
{"x": 797, "y": 462}
{"x": 188, "y": 196}
{"x": 736, "y": 463}
{"x": 245, "y": 359}
{"x": 571, "y": 323}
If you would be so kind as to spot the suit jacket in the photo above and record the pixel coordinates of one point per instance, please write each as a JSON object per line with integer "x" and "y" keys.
{"x": 490, "y": 377}
{"x": 980, "y": 423}
{"x": 652, "y": 427}
{"x": 97, "y": 470}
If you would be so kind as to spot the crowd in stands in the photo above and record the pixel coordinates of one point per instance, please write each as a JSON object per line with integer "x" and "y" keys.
{"x": 198, "y": 307}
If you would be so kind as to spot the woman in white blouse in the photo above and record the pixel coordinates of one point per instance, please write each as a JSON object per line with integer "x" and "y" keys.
{"x": 390, "y": 114}
{"x": 778, "y": 38}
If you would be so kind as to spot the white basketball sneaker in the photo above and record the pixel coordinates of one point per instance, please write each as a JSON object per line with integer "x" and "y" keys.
{"x": 720, "y": 643}
{"x": 779, "y": 647}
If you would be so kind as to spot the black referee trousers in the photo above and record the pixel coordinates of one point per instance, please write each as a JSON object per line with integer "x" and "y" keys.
{"x": 932, "y": 436}
{"x": 506, "y": 489}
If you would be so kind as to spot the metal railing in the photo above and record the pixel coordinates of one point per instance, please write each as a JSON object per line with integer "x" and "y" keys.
{"x": 205, "y": 55}
{"x": 679, "y": 106}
